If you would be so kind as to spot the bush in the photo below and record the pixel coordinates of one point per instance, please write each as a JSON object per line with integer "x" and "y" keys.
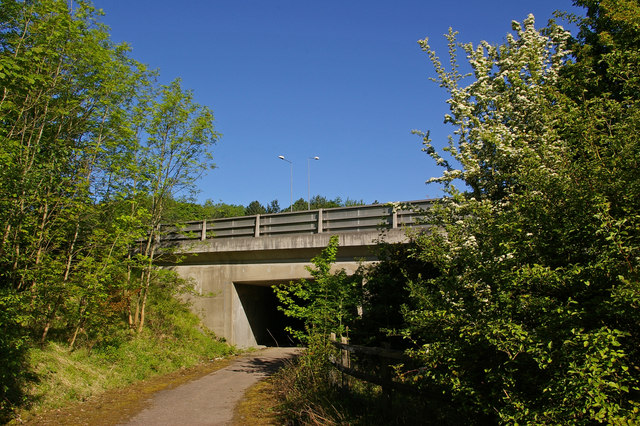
{"x": 13, "y": 346}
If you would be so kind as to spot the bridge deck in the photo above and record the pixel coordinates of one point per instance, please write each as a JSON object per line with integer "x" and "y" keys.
{"x": 366, "y": 218}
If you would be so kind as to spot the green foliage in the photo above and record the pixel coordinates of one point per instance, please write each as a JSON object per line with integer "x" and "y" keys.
{"x": 385, "y": 294}
{"x": 13, "y": 346}
{"x": 254, "y": 208}
{"x": 184, "y": 210}
{"x": 325, "y": 304}
{"x": 273, "y": 207}
{"x": 92, "y": 152}
{"x": 305, "y": 387}
{"x": 532, "y": 316}
{"x": 320, "y": 202}
{"x": 521, "y": 301}
{"x": 310, "y": 391}
{"x": 299, "y": 205}
{"x": 66, "y": 377}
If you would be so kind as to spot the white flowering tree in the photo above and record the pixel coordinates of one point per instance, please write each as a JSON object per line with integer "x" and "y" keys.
{"x": 505, "y": 118}
{"x": 533, "y": 315}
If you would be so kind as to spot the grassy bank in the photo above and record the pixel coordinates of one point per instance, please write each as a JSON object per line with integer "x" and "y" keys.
{"x": 116, "y": 406}
{"x": 59, "y": 377}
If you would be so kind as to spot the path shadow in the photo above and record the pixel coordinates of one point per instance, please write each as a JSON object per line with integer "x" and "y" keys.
{"x": 263, "y": 364}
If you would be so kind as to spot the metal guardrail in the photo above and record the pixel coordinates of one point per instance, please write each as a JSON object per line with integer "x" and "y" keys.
{"x": 335, "y": 220}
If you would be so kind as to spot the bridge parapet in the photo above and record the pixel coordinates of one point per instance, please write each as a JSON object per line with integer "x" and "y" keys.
{"x": 334, "y": 220}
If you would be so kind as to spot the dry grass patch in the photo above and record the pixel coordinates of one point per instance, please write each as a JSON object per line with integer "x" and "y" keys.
{"x": 260, "y": 406}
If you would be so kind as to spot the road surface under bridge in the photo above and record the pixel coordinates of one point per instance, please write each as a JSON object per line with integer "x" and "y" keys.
{"x": 234, "y": 262}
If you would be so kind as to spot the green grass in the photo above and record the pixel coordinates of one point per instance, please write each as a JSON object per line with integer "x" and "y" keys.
{"x": 174, "y": 339}
{"x": 63, "y": 377}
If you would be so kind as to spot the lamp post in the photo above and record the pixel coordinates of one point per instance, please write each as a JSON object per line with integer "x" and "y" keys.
{"x": 309, "y": 180}
{"x": 290, "y": 180}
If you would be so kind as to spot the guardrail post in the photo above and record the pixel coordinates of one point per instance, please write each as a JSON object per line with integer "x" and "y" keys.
{"x": 257, "y": 231}
{"x": 319, "y": 221}
{"x": 203, "y": 232}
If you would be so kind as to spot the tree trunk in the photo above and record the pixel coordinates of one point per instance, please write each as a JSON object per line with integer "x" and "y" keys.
{"x": 145, "y": 290}
{"x": 83, "y": 307}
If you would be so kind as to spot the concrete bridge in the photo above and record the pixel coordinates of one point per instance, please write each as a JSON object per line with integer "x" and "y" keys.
{"x": 233, "y": 262}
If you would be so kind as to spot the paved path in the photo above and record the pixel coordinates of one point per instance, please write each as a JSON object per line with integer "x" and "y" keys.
{"x": 211, "y": 399}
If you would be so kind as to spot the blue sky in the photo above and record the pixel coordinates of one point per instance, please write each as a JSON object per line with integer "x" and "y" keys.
{"x": 341, "y": 80}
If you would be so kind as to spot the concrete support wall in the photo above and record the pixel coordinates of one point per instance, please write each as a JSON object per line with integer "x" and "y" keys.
{"x": 219, "y": 304}
{"x": 217, "y": 267}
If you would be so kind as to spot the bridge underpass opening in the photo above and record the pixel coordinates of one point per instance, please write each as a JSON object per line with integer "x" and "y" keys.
{"x": 267, "y": 322}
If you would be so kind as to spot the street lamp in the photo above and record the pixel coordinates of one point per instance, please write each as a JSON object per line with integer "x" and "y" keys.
{"x": 309, "y": 180}
{"x": 290, "y": 179}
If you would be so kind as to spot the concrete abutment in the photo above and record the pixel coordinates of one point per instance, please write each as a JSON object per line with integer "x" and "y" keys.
{"x": 233, "y": 278}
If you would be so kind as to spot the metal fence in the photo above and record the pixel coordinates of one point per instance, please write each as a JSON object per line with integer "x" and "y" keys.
{"x": 341, "y": 219}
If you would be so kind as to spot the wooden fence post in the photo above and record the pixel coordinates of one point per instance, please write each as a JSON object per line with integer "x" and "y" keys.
{"x": 345, "y": 361}
{"x": 386, "y": 380}
{"x": 333, "y": 377}
{"x": 384, "y": 370}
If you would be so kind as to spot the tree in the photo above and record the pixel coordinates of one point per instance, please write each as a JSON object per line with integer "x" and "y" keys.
{"x": 350, "y": 203}
{"x": 254, "y": 208}
{"x": 325, "y": 304}
{"x": 299, "y": 205}
{"x": 320, "y": 202}
{"x": 91, "y": 150}
{"x": 386, "y": 294}
{"x": 92, "y": 154}
{"x": 532, "y": 313}
{"x": 175, "y": 136}
{"x": 66, "y": 90}
{"x": 274, "y": 207}
{"x": 219, "y": 210}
